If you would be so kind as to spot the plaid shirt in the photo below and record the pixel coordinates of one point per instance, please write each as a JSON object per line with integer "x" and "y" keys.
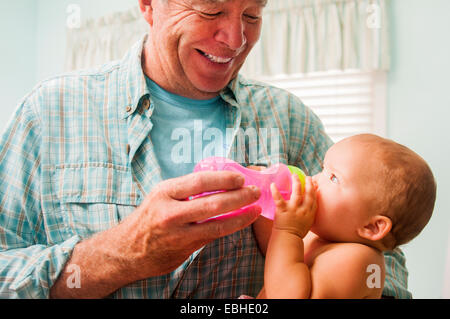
{"x": 77, "y": 158}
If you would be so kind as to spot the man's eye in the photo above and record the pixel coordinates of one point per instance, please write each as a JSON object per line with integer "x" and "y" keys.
{"x": 334, "y": 179}
{"x": 251, "y": 18}
{"x": 211, "y": 14}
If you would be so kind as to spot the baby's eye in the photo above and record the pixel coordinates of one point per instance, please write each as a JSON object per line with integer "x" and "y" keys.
{"x": 334, "y": 179}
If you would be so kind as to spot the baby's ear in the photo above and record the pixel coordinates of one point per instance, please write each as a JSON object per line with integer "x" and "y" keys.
{"x": 376, "y": 229}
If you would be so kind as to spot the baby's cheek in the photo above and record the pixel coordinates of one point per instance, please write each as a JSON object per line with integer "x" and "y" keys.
{"x": 319, "y": 201}
{"x": 320, "y": 210}
{"x": 323, "y": 213}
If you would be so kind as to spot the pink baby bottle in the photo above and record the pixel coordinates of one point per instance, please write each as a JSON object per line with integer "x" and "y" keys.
{"x": 280, "y": 174}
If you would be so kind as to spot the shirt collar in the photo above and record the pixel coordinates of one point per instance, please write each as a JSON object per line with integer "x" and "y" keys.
{"x": 234, "y": 93}
{"x": 132, "y": 79}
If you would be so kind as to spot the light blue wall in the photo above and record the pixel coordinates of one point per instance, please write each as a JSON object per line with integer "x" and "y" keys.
{"x": 52, "y": 16}
{"x": 18, "y": 53}
{"x": 418, "y": 116}
{"x": 33, "y": 42}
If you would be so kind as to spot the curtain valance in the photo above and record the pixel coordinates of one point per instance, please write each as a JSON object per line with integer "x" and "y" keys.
{"x": 298, "y": 36}
{"x": 108, "y": 38}
{"x": 301, "y": 36}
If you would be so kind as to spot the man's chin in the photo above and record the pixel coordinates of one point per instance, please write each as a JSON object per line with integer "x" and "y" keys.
{"x": 214, "y": 84}
{"x": 212, "y": 88}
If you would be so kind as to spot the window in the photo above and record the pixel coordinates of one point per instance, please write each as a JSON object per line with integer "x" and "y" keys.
{"x": 347, "y": 102}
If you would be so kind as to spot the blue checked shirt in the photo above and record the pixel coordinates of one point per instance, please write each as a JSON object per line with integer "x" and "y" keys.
{"x": 77, "y": 158}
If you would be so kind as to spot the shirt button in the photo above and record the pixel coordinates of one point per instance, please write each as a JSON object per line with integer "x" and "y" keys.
{"x": 128, "y": 109}
{"x": 146, "y": 104}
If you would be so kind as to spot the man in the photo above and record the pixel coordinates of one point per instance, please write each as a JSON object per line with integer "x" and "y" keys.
{"x": 89, "y": 205}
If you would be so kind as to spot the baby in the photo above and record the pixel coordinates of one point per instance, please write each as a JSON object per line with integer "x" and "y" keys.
{"x": 372, "y": 196}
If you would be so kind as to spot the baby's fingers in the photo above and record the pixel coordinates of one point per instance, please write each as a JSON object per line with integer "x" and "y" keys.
{"x": 296, "y": 196}
{"x": 310, "y": 194}
{"x": 278, "y": 199}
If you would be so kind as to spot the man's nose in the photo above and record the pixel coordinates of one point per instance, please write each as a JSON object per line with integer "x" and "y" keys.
{"x": 232, "y": 33}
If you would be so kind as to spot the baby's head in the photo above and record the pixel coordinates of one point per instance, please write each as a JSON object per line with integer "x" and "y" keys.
{"x": 373, "y": 191}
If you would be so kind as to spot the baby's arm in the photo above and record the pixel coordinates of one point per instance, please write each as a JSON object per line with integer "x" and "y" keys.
{"x": 262, "y": 228}
{"x": 286, "y": 275}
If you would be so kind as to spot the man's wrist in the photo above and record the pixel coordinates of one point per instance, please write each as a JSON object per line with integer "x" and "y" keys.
{"x": 101, "y": 264}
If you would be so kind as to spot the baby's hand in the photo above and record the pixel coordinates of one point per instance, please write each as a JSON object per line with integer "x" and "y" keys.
{"x": 296, "y": 215}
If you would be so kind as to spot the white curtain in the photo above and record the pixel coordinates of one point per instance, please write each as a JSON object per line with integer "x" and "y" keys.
{"x": 98, "y": 41}
{"x": 302, "y": 36}
{"x": 298, "y": 36}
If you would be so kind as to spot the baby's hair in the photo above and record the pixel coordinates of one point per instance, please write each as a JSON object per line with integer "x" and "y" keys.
{"x": 408, "y": 189}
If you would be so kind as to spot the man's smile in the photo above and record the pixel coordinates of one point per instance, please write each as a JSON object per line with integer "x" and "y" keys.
{"x": 216, "y": 59}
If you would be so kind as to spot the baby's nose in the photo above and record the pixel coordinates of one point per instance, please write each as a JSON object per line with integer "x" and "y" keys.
{"x": 315, "y": 180}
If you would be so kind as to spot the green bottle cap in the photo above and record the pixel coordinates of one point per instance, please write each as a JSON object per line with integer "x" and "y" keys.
{"x": 300, "y": 173}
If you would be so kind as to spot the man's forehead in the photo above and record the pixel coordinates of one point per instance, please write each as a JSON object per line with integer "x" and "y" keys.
{"x": 260, "y": 2}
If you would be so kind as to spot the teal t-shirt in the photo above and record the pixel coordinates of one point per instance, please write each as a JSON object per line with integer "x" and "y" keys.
{"x": 185, "y": 130}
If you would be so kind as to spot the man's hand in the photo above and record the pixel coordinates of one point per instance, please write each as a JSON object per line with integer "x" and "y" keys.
{"x": 166, "y": 227}
{"x": 296, "y": 215}
{"x": 161, "y": 234}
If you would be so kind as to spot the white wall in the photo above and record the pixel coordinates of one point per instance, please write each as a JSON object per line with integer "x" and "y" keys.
{"x": 418, "y": 113}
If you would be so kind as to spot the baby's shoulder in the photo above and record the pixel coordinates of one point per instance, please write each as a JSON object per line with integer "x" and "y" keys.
{"x": 352, "y": 256}
{"x": 356, "y": 248}
{"x": 317, "y": 248}
{"x": 350, "y": 266}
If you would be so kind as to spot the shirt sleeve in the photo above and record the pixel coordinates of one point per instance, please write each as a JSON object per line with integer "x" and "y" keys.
{"x": 29, "y": 266}
{"x": 396, "y": 282}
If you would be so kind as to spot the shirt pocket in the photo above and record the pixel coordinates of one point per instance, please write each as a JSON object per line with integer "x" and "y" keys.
{"x": 94, "y": 197}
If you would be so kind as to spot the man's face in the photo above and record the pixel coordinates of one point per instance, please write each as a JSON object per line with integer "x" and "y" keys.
{"x": 199, "y": 46}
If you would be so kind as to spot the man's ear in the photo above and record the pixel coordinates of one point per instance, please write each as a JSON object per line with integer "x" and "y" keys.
{"x": 376, "y": 229}
{"x": 146, "y": 7}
